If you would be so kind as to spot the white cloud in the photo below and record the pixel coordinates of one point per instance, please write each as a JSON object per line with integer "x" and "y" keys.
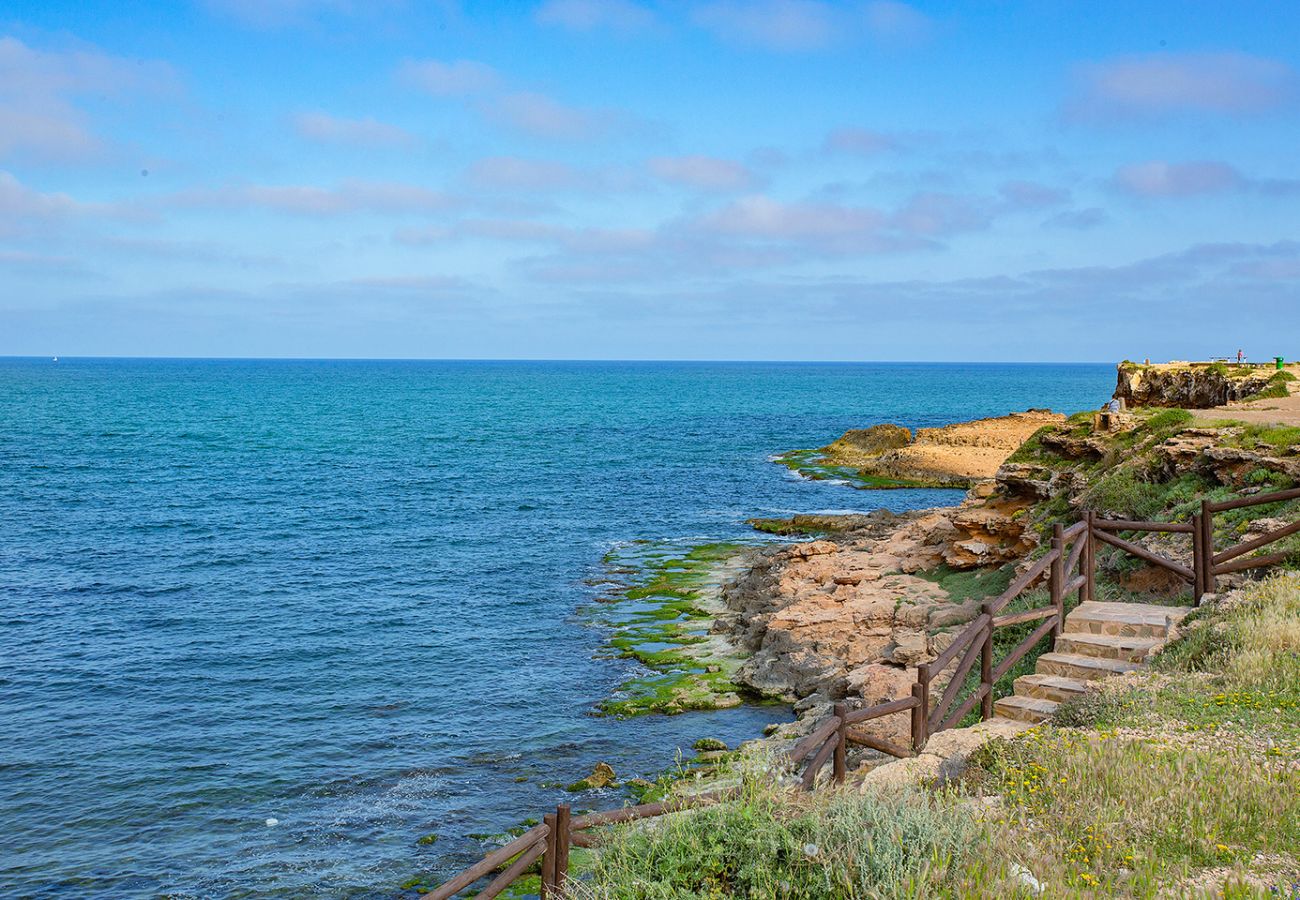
{"x": 589, "y": 15}
{"x": 278, "y": 13}
{"x": 366, "y": 132}
{"x": 704, "y": 173}
{"x": 457, "y": 78}
{"x": 1078, "y": 219}
{"x": 1032, "y": 195}
{"x": 39, "y": 118}
{"x": 516, "y": 173}
{"x": 804, "y": 25}
{"x": 541, "y": 116}
{"x": 895, "y": 22}
{"x": 859, "y": 141}
{"x": 788, "y": 25}
{"x": 1165, "y": 179}
{"x": 933, "y": 214}
{"x": 760, "y": 216}
{"x": 17, "y": 201}
{"x": 1171, "y": 83}
{"x": 348, "y": 197}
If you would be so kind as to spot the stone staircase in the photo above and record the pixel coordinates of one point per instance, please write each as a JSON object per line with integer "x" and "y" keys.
{"x": 1099, "y": 639}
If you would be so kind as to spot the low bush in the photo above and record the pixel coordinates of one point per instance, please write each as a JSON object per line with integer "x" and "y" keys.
{"x": 770, "y": 843}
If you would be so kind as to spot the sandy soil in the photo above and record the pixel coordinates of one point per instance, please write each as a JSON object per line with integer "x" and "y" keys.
{"x": 967, "y": 449}
{"x": 1281, "y": 411}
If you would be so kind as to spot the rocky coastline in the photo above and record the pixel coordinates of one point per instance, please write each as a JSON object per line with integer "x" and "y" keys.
{"x": 846, "y": 607}
{"x": 847, "y": 614}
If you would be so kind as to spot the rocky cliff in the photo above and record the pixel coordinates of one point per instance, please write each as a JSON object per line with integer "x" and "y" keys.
{"x": 1189, "y": 385}
{"x": 850, "y": 615}
{"x": 957, "y": 455}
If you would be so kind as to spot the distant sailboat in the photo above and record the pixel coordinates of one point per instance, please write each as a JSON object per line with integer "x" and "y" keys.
{"x": 56, "y": 359}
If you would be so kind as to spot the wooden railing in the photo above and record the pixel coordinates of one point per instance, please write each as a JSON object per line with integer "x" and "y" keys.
{"x": 1234, "y": 559}
{"x": 550, "y": 843}
{"x": 1069, "y": 551}
{"x": 1069, "y": 566}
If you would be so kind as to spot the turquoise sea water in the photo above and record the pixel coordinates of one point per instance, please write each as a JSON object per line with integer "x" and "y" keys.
{"x": 349, "y": 596}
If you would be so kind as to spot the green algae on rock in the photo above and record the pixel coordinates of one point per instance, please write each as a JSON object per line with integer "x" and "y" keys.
{"x": 816, "y": 464}
{"x": 663, "y": 618}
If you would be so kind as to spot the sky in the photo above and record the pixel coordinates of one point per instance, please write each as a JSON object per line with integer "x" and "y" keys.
{"x": 616, "y": 179}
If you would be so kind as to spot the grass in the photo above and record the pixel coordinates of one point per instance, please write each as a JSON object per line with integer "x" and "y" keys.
{"x": 970, "y": 584}
{"x": 1188, "y": 775}
{"x": 1276, "y": 388}
{"x": 1270, "y": 438}
{"x": 770, "y": 843}
{"x": 1182, "y": 781}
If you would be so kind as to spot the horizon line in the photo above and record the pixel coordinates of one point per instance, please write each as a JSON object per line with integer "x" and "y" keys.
{"x": 529, "y": 359}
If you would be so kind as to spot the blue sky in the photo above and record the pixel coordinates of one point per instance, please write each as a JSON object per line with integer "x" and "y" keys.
{"x": 776, "y": 179}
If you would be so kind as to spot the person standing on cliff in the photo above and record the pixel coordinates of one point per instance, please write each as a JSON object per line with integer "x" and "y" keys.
{"x": 1240, "y": 357}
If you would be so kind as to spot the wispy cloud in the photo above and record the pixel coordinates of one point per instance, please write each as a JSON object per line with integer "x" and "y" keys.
{"x": 1032, "y": 195}
{"x": 937, "y": 214}
{"x": 1166, "y": 179}
{"x": 455, "y": 78}
{"x": 39, "y": 90}
{"x": 591, "y": 15}
{"x": 364, "y": 132}
{"x": 538, "y": 115}
{"x": 1163, "y": 84}
{"x": 775, "y": 24}
{"x": 859, "y": 141}
{"x": 705, "y": 173}
{"x": 1159, "y": 178}
{"x": 516, "y": 173}
{"x": 309, "y": 200}
{"x": 806, "y": 25}
{"x": 266, "y": 14}
{"x": 22, "y": 207}
{"x": 1078, "y": 219}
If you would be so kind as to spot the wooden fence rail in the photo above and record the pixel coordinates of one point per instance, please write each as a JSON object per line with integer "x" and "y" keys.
{"x": 1069, "y": 566}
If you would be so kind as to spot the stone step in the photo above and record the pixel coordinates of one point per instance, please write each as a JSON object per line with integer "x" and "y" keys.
{"x": 1056, "y": 688}
{"x": 1088, "y": 668}
{"x": 1025, "y": 709}
{"x": 1108, "y": 646}
{"x": 1127, "y": 619}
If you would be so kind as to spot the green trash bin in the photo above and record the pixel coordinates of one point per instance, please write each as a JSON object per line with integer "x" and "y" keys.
{"x": 1278, "y": 360}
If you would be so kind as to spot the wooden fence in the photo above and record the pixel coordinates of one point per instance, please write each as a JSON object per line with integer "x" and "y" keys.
{"x": 550, "y": 843}
{"x": 1070, "y": 568}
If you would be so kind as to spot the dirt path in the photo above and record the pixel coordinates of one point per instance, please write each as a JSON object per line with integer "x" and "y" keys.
{"x": 1280, "y": 411}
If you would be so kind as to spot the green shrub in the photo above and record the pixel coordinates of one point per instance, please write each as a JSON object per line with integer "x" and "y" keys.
{"x": 770, "y": 843}
{"x": 1093, "y": 709}
{"x": 1278, "y": 438}
{"x": 1124, "y": 492}
{"x": 1169, "y": 419}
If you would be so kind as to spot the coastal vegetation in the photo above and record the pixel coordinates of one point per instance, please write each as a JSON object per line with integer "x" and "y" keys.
{"x": 1179, "y": 781}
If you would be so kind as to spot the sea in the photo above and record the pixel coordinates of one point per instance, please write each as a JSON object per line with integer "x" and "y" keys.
{"x": 274, "y": 628}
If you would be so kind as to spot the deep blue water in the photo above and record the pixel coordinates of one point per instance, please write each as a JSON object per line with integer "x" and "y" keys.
{"x": 348, "y": 595}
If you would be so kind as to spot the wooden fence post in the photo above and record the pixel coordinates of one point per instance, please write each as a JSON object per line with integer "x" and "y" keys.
{"x": 986, "y": 667}
{"x": 548, "y": 858}
{"x": 1207, "y": 549}
{"x": 918, "y": 718}
{"x": 1198, "y": 560}
{"x": 1089, "y": 559}
{"x": 839, "y": 768}
{"x": 1056, "y": 582}
{"x": 561, "y": 847}
{"x": 921, "y": 690}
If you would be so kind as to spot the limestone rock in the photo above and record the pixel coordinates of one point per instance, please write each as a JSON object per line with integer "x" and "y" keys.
{"x": 1187, "y": 385}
